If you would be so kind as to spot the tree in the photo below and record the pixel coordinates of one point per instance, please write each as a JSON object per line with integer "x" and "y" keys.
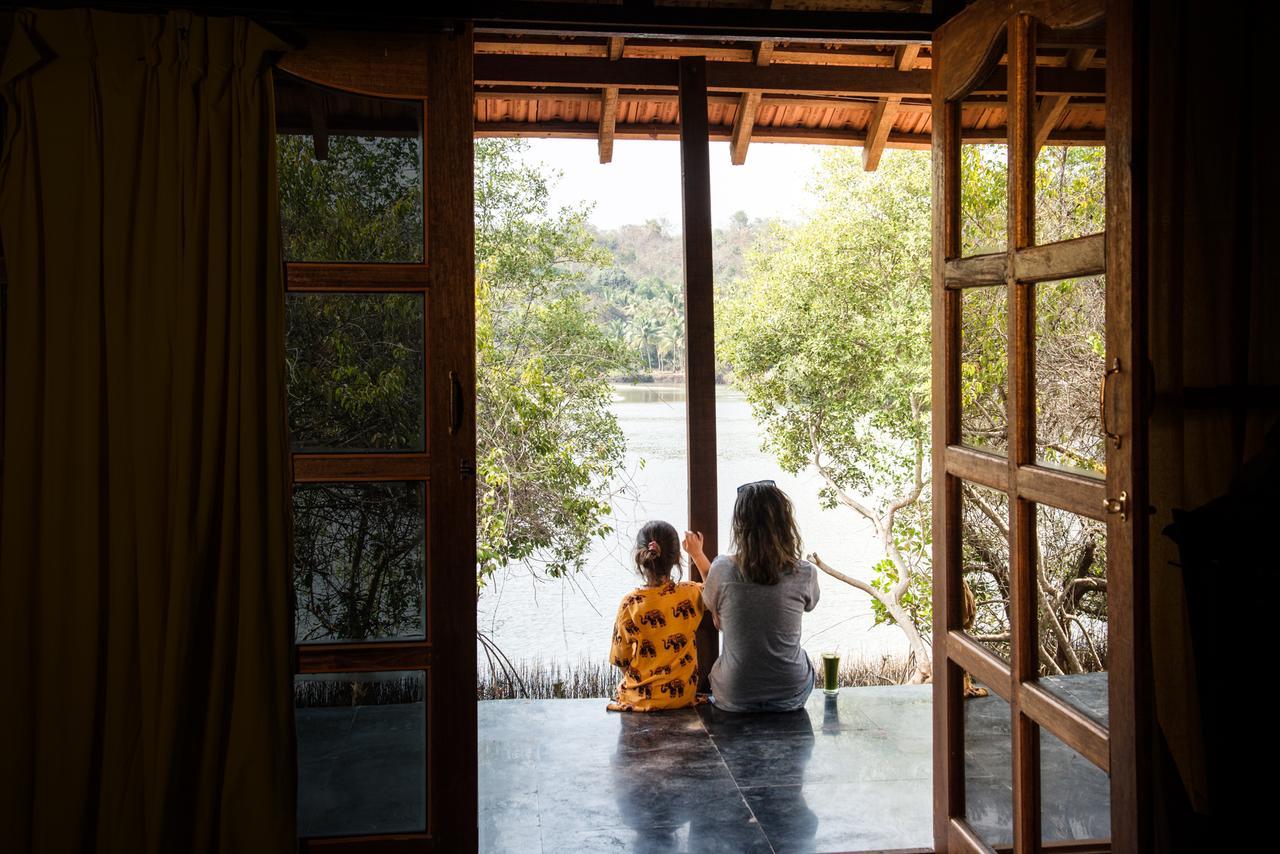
{"x": 829, "y": 339}
{"x": 547, "y": 444}
{"x": 828, "y": 336}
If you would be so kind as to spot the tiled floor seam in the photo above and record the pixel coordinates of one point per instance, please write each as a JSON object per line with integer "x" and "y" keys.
{"x": 738, "y": 788}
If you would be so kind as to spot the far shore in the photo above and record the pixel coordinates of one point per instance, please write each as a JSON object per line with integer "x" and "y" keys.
{"x": 663, "y": 378}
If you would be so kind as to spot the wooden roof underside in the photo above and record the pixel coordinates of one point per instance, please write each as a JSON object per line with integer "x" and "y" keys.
{"x": 873, "y": 96}
{"x": 607, "y": 87}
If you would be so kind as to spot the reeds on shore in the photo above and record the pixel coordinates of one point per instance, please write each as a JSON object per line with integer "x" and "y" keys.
{"x": 535, "y": 679}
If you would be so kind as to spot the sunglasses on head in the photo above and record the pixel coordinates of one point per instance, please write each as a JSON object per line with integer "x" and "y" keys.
{"x": 756, "y": 483}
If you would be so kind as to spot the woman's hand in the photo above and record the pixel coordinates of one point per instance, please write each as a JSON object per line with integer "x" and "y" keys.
{"x": 692, "y": 543}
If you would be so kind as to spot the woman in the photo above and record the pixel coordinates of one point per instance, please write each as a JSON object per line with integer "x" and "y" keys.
{"x": 757, "y": 597}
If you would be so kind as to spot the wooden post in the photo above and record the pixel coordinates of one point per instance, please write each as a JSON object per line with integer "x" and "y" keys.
{"x": 948, "y": 715}
{"x": 699, "y": 324}
{"x": 451, "y": 378}
{"x": 1022, "y": 429}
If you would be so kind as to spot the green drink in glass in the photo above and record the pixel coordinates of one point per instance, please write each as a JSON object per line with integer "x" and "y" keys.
{"x": 830, "y": 673}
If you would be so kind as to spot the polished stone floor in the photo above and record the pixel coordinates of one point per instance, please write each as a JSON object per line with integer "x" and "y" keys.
{"x": 849, "y": 774}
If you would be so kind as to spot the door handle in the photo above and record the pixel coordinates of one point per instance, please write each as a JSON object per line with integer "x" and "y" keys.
{"x": 1102, "y": 402}
{"x": 455, "y": 403}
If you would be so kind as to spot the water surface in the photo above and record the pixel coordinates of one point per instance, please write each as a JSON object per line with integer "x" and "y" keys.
{"x": 569, "y": 620}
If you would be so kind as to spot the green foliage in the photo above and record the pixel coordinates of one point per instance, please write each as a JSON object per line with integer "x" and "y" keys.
{"x": 355, "y": 366}
{"x": 639, "y": 297}
{"x": 549, "y": 445}
{"x": 362, "y": 203}
{"x": 829, "y": 338}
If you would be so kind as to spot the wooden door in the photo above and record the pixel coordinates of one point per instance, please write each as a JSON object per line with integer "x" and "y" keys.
{"x": 1036, "y": 763}
{"x": 375, "y": 170}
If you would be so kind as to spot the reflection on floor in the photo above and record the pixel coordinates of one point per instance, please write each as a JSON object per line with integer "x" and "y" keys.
{"x": 849, "y": 774}
{"x": 1075, "y": 795}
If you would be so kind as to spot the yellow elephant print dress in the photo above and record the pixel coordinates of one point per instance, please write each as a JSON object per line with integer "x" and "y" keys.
{"x": 654, "y": 646}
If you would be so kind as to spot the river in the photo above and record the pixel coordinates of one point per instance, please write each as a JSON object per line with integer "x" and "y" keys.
{"x": 569, "y": 620}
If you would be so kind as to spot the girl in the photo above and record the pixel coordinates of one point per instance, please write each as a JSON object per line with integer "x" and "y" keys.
{"x": 757, "y": 597}
{"x": 654, "y": 633}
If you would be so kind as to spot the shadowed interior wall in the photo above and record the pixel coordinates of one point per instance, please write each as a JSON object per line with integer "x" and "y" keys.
{"x": 144, "y": 594}
{"x": 1214, "y": 297}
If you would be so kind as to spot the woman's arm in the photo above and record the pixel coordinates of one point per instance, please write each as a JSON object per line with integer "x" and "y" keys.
{"x": 693, "y": 545}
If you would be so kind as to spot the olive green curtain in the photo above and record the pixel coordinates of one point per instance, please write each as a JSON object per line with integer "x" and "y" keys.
{"x": 144, "y": 590}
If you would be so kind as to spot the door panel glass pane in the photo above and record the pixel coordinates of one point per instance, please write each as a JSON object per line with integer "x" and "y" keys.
{"x": 1071, "y": 161}
{"x": 984, "y": 368}
{"x": 349, "y": 170}
{"x": 1072, "y": 619}
{"x": 359, "y": 554}
{"x": 1075, "y": 794}
{"x": 984, "y": 177}
{"x": 356, "y": 368}
{"x": 988, "y": 764}
{"x": 361, "y": 753}
{"x": 984, "y": 529}
{"x": 1070, "y": 358}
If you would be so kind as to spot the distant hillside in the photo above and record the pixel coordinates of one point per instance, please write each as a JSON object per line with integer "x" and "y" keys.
{"x": 639, "y": 297}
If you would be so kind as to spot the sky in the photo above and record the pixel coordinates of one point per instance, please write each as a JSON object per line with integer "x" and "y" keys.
{"x": 643, "y": 181}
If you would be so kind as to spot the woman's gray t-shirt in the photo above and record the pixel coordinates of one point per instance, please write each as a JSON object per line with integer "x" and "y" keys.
{"x": 761, "y": 659}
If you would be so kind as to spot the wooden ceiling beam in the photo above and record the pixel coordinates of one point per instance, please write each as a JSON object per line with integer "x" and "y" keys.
{"x": 694, "y": 22}
{"x": 886, "y": 111}
{"x": 817, "y": 136}
{"x": 713, "y": 51}
{"x": 1052, "y": 107}
{"x": 745, "y": 118}
{"x": 609, "y": 106}
{"x": 723, "y": 99}
{"x": 503, "y": 69}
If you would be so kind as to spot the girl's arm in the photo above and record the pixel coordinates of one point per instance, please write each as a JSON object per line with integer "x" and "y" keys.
{"x": 693, "y": 545}
{"x": 620, "y": 650}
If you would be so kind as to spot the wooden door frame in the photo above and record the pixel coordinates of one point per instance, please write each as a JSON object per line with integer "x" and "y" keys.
{"x": 965, "y": 50}
{"x": 435, "y": 70}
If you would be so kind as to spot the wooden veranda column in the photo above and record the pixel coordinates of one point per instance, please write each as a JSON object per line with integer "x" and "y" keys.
{"x": 699, "y": 324}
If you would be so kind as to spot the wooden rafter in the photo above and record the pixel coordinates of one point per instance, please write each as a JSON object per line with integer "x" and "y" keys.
{"x": 748, "y": 105}
{"x": 886, "y": 111}
{"x": 500, "y": 69}
{"x": 722, "y": 133}
{"x": 609, "y": 105}
{"x": 1051, "y": 108}
{"x": 608, "y": 122}
{"x": 625, "y": 96}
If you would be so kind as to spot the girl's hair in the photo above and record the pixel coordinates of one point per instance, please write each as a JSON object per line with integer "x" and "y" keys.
{"x": 657, "y": 552}
{"x": 765, "y": 537}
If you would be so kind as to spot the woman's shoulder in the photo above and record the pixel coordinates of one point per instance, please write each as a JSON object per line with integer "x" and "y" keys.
{"x": 722, "y": 563}
{"x": 803, "y": 570}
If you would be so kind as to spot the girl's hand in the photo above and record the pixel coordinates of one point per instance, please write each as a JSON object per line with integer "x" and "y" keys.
{"x": 692, "y": 542}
